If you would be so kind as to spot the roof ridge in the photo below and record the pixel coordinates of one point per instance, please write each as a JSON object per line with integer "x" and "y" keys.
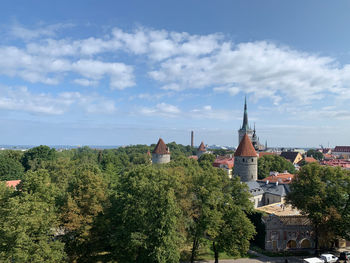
{"x": 161, "y": 148}
{"x": 245, "y": 148}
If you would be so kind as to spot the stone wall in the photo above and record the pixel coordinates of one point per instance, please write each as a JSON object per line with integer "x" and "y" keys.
{"x": 288, "y": 233}
{"x": 246, "y": 168}
{"x": 160, "y": 158}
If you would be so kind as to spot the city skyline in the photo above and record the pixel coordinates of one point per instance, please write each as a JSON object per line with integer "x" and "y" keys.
{"x": 107, "y": 73}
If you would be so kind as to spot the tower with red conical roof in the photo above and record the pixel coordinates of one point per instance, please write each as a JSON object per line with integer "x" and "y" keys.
{"x": 246, "y": 161}
{"x": 161, "y": 153}
{"x": 201, "y": 150}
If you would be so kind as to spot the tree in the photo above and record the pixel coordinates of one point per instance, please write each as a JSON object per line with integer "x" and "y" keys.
{"x": 145, "y": 218}
{"x": 28, "y": 222}
{"x": 269, "y": 163}
{"x": 33, "y": 157}
{"x": 10, "y": 169}
{"x": 323, "y": 194}
{"x": 85, "y": 200}
{"x": 218, "y": 213}
{"x": 207, "y": 157}
{"x": 235, "y": 229}
{"x": 316, "y": 154}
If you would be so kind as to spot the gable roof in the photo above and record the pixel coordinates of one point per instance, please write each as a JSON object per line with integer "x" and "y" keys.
{"x": 291, "y": 156}
{"x": 341, "y": 149}
{"x": 245, "y": 148}
{"x": 275, "y": 189}
{"x": 13, "y": 183}
{"x": 201, "y": 147}
{"x": 281, "y": 178}
{"x": 254, "y": 188}
{"x": 310, "y": 160}
{"x": 161, "y": 148}
{"x": 224, "y": 161}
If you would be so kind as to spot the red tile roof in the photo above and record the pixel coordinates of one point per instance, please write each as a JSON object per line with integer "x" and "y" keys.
{"x": 245, "y": 148}
{"x": 201, "y": 147}
{"x": 13, "y": 183}
{"x": 342, "y": 149}
{"x": 337, "y": 162}
{"x": 161, "y": 148}
{"x": 229, "y": 162}
{"x": 194, "y": 157}
{"x": 328, "y": 156}
{"x": 281, "y": 178}
{"x": 310, "y": 160}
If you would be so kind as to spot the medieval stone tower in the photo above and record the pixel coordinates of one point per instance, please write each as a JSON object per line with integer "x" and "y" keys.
{"x": 246, "y": 161}
{"x": 201, "y": 150}
{"x": 161, "y": 153}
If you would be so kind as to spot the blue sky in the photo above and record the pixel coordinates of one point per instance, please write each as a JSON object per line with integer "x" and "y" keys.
{"x": 129, "y": 72}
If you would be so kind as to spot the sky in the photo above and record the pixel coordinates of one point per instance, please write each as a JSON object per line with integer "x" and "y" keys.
{"x": 111, "y": 72}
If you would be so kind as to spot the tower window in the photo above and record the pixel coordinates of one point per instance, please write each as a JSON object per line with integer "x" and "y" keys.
{"x": 252, "y": 160}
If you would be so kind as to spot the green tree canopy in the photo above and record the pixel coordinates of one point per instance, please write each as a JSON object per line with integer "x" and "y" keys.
{"x": 28, "y": 222}
{"x": 34, "y": 156}
{"x": 314, "y": 153}
{"x": 10, "y": 169}
{"x": 145, "y": 225}
{"x": 273, "y": 163}
{"x": 323, "y": 194}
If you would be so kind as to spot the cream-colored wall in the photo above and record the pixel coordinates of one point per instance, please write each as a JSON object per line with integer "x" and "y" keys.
{"x": 271, "y": 199}
{"x": 298, "y": 158}
{"x": 257, "y": 200}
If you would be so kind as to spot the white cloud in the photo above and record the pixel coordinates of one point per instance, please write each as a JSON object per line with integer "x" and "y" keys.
{"x": 176, "y": 61}
{"x": 19, "y": 31}
{"x": 120, "y": 74}
{"x": 260, "y": 68}
{"x": 161, "y": 109}
{"x": 85, "y": 82}
{"x": 49, "y": 70}
{"x": 230, "y": 90}
{"x": 22, "y": 99}
{"x": 205, "y": 112}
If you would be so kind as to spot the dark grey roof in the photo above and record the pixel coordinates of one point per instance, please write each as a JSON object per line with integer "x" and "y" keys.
{"x": 272, "y": 188}
{"x": 254, "y": 188}
{"x": 290, "y": 155}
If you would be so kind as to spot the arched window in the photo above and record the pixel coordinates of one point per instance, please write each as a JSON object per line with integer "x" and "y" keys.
{"x": 305, "y": 243}
{"x": 291, "y": 244}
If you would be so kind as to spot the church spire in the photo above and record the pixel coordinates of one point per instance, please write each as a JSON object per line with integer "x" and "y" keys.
{"x": 245, "y": 116}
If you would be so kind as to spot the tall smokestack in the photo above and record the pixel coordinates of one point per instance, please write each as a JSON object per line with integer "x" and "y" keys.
{"x": 191, "y": 138}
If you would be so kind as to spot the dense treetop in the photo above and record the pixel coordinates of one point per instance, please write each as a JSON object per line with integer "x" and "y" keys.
{"x": 89, "y": 205}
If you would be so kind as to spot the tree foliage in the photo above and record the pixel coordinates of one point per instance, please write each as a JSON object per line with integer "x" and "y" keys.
{"x": 314, "y": 153}
{"x": 10, "y": 169}
{"x": 92, "y": 205}
{"x": 27, "y": 222}
{"x": 269, "y": 163}
{"x": 146, "y": 218}
{"x": 33, "y": 157}
{"x": 323, "y": 194}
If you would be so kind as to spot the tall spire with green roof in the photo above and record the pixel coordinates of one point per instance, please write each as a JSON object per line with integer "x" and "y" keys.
{"x": 245, "y": 116}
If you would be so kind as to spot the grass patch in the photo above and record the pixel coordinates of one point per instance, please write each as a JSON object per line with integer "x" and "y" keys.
{"x": 288, "y": 253}
{"x": 205, "y": 253}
